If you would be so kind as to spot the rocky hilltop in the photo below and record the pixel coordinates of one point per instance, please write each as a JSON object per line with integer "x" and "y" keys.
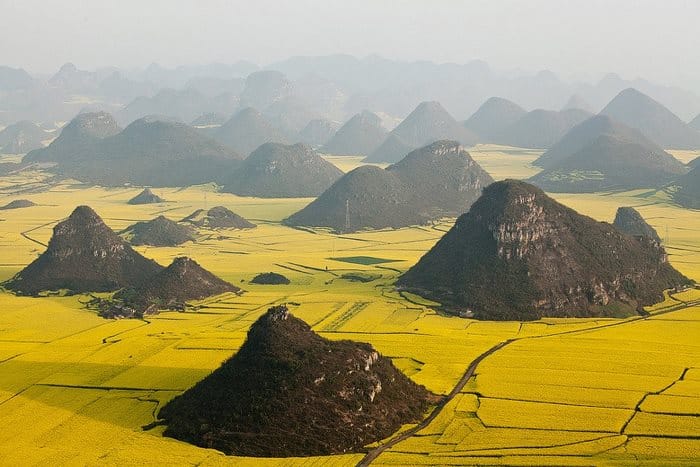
{"x": 282, "y": 171}
{"x": 146, "y": 197}
{"x": 629, "y": 221}
{"x": 290, "y": 392}
{"x": 183, "y": 280}
{"x": 218, "y": 217}
{"x": 520, "y": 255}
{"x": 160, "y": 231}
{"x": 436, "y": 181}
{"x": 84, "y": 255}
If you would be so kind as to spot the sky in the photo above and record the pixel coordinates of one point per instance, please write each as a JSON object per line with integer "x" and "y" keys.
{"x": 657, "y": 40}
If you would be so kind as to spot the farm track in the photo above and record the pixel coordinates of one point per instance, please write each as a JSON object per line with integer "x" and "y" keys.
{"x": 373, "y": 454}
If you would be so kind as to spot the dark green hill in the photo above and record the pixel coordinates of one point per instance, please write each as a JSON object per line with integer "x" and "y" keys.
{"x": 359, "y": 136}
{"x": 584, "y": 134}
{"x": 156, "y": 153}
{"x": 183, "y": 280}
{"x": 429, "y": 122}
{"x": 160, "y": 231}
{"x": 493, "y": 116}
{"x": 688, "y": 193}
{"x": 282, "y": 171}
{"x": 436, "y": 181}
{"x": 540, "y": 128}
{"x": 269, "y": 278}
{"x": 290, "y": 392}
{"x": 519, "y": 255}
{"x": 22, "y": 137}
{"x": 247, "y": 130}
{"x": 17, "y": 204}
{"x": 84, "y": 255}
{"x": 218, "y": 217}
{"x": 629, "y": 221}
{"x": 625, "y": 160}
{"x": 78, "y": 139}
{"x": 655, "y": 121}
{"x": 146, "y": 197}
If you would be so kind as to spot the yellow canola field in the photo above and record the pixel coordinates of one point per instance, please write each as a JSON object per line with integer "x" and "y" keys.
{"x": 77, "y": 389}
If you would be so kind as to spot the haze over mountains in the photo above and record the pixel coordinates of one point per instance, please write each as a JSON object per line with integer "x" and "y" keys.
{"x": 429, "y": 122}
{"x": 333, "y": 87}
{"x": 602, "y": 154}
{"x": 22, "y": 137}
{"x": 149, "y": 151}
{"x": 659, "y": 124}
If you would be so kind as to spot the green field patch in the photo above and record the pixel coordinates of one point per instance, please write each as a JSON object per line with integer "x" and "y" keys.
{"x": 364, "y": 260}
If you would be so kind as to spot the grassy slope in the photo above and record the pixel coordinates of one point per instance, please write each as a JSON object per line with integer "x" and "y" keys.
{"x": 88, "y": 385}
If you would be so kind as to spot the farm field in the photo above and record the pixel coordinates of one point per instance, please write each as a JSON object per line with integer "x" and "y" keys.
{"x": 79, "y": 389}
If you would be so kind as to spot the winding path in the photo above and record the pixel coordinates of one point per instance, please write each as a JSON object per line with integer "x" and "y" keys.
{"x": 372, "y": 454}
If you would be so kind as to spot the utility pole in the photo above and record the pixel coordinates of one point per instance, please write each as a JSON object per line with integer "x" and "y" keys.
{"x": 347, "y": 215}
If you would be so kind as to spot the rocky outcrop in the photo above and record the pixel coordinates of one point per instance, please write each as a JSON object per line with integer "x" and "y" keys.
{"x": 629, "y": 221}
{"x": 84, "y": 255}
{"x": 520, "y": 255}
{"x": 439, "y": 180}
{"x": 183, "y": 280}
{"x": 290, "y": 392}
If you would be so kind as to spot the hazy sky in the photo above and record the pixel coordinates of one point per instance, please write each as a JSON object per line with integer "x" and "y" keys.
{"x": 656, "y": 39}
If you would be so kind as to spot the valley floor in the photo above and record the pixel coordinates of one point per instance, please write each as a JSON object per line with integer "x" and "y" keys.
{"x": 78, "y": 389}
